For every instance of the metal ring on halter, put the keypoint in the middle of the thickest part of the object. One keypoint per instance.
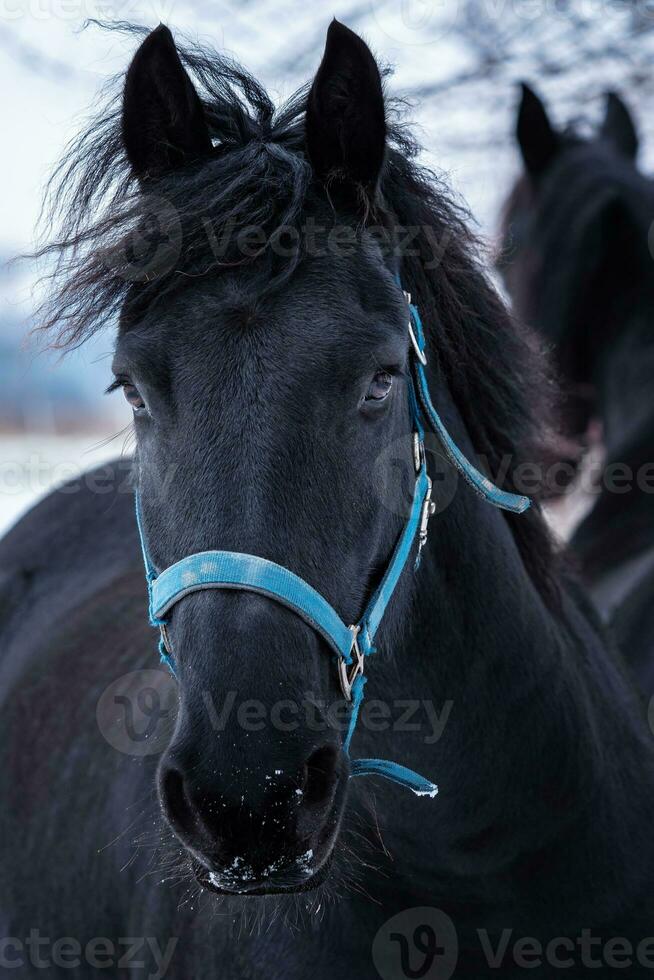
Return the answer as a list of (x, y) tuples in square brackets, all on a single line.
[(418, 451), (416, 346), (348, 673), (420, 354), (166, 638)]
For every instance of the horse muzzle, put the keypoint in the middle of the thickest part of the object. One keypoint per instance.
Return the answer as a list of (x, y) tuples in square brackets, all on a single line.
[(269, 830)]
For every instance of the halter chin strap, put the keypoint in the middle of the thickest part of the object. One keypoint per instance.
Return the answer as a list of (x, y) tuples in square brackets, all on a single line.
[(354, 643)]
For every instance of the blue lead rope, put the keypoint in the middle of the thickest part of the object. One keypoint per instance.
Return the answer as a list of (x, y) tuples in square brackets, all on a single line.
[(351, 644)]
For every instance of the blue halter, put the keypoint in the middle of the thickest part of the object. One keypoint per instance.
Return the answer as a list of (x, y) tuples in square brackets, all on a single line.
[(351, 644)]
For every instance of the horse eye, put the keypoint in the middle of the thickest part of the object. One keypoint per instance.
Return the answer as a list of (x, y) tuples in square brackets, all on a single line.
[(131, 394), (380, 387)]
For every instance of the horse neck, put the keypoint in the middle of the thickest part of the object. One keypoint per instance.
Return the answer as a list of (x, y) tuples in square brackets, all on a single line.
[(622, 335), (620, 527), (536, 709), (624, 368)]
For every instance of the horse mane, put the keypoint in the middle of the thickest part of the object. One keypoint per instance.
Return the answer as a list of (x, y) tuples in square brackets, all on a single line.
[(259, 175)]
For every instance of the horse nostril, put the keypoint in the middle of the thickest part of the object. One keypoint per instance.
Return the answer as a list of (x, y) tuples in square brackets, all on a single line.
[(320, 776), (175, 801)]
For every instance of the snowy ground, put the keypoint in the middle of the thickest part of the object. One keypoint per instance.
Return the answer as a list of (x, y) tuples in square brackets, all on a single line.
[(32, 465)]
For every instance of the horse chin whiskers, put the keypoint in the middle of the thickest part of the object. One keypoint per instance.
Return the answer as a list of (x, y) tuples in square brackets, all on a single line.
[(277, 878)]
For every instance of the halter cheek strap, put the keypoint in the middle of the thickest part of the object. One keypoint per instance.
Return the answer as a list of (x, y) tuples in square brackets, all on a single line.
[(354, 643)]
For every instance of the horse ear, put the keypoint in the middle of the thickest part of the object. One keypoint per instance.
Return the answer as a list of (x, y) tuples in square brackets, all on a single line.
[(345, 122), (618, 127), (163, 120), (537, 139)]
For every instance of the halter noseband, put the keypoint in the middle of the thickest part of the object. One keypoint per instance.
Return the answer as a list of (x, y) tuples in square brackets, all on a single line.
[(351, 644)]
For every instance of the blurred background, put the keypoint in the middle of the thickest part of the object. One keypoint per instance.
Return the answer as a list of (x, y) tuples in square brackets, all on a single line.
[(457, 62)]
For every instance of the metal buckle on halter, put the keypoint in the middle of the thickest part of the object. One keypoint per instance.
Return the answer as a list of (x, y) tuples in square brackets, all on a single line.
[(348, 673), (428, 509)]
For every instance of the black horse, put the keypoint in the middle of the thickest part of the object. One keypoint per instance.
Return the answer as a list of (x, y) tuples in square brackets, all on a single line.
[(253, 257), (577, 259)]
